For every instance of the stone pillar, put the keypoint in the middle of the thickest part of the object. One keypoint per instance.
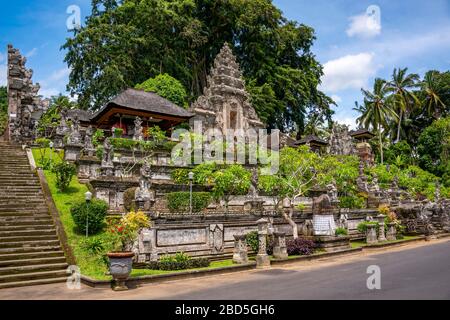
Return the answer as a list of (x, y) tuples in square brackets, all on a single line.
[(371, 234), (392, 231), (262, 258), (381, 235), (240, 255), (279, 248)]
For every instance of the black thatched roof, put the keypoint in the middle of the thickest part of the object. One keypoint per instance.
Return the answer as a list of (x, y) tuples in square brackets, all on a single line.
[(361, 132), (83, 116), (311, 138), (144, 101)]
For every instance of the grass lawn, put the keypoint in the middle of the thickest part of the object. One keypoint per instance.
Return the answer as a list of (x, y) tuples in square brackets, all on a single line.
[(358, 244), (89, 264)]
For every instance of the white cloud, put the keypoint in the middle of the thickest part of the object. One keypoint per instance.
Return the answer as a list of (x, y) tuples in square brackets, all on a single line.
[(31, 53), (53, 84), (366, 25), (3, 74), (336, 98), (348, 72), (349, 121)]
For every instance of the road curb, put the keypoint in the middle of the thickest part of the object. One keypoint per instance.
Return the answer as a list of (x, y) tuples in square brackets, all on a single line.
[(136, 281)]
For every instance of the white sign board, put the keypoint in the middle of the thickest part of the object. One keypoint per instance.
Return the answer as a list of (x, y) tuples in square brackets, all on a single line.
[(324, 225)]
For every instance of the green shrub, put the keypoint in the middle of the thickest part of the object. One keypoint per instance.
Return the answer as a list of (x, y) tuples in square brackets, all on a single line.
[(118, 132), (64, 172), (180, 261), (128, 199), (94, 211), (156, 134), (179, 201), (99, 152), (94, 246), (167, 87), (98, 137), (252, 240), (362, 227), (341, 231), (352, 202)]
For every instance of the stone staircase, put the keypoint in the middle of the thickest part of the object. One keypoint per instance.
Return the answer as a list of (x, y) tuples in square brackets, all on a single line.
[(30, 251)]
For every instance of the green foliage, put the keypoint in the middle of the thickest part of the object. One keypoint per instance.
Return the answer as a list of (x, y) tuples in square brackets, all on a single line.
[(434, 148), (362, 226), (94, 246), (64, 172), (92, 213), (124, 43), (233, 180), (167, 87), (180, 261), (52, 117), (179, 201), (203, 174), (118, 132), (3, 110), (252, 240), (156, 134), (399, 154), (352, 202), (98, 137), (341, 232)]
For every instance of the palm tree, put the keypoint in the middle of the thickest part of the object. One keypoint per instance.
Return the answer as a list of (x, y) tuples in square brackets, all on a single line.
[(431, 87), (376, 111), (403, 98)]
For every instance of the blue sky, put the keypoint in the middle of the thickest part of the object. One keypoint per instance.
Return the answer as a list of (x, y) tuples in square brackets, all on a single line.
[(356, 40)]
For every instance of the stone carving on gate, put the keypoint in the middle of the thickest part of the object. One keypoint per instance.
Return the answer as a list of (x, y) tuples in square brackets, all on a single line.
[(216, 237)]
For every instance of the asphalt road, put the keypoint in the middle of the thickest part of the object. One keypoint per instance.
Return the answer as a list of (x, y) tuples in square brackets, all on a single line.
[(420, 271)]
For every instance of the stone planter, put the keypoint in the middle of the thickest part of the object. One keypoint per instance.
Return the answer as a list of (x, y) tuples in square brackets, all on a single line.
[(120, 265)]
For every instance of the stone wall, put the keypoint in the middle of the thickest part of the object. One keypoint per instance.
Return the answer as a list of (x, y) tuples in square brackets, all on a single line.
[(211, 235)]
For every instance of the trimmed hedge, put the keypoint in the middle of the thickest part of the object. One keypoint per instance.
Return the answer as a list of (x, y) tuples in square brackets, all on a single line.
[(179, 201), (174, 263), (95, 211)]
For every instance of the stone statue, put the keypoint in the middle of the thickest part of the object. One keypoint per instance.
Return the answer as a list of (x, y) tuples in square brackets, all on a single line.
[(88, 145), (374, 187), (341, 142), (144, 196), (332, 191), (138, 130), (107, 160), (253, 191), (75, 135), (437, 193)]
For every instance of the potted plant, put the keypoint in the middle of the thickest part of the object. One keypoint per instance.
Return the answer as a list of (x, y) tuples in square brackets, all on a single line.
[(124, 233)]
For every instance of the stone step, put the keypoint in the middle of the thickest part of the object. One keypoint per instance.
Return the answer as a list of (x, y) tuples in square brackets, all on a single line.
[(19, 250), (26, 233), (31, 255), (15, 239), (25, 221), (24, 212), (32, 268), (31, 262), (24, 283), (27, 228), (29, 244), (37, 275)]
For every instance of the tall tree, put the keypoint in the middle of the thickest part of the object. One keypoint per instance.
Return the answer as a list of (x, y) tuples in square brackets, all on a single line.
[(432, 90), (376, 111), (403, 97), (124, 43)]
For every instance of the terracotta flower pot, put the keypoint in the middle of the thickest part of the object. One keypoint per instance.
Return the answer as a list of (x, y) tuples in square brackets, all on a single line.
[(120, 266)]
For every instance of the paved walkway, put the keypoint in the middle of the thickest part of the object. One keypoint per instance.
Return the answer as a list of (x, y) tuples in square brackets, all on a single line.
[(413, 271)]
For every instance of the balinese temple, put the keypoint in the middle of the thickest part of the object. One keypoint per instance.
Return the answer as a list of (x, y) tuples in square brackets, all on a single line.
[(153, 110), (225, 104), (363, 148), (315, 143)]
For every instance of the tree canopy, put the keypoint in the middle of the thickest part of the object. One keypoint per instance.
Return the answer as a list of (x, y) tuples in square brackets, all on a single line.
[(3, 109), (167, 87), (124, 43)]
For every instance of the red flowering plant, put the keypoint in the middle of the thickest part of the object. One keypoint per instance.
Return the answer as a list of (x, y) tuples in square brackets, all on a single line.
[(125, 231)]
